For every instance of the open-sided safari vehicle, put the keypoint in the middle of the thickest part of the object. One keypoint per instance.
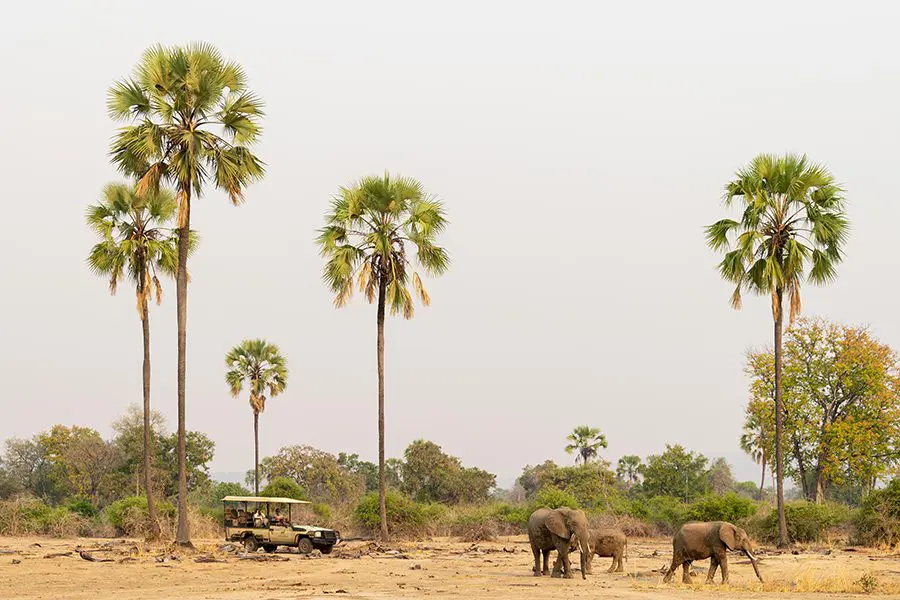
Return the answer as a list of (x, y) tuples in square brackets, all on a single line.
[(258, 521)]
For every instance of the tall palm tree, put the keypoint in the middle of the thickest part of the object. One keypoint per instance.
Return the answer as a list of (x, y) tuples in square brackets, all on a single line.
[(586, 443), (190, 120), (628, 469), (367, 238), (754, 440), (262, 366), (792, 228), (136, 243)]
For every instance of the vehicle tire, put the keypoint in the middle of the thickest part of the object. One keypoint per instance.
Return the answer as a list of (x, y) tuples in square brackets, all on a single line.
[(269, 548), (304, 546), (326, 549), (250, 544)]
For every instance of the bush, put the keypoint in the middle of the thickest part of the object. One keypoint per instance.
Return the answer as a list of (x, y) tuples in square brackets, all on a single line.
[(552, 497), (282, 487), (878, 520), (322, 512), (663, 512), (806, 522), (82, 506), (129, 515), (33, 517), (405, 517), (727, 507)]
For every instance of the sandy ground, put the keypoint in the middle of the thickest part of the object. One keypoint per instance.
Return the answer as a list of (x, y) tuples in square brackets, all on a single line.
[(433, 569)]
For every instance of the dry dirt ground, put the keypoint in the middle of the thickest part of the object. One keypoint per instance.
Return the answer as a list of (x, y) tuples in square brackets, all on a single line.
[(128, 570)]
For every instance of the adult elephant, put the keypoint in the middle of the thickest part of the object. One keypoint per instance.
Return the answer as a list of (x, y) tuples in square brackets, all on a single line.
[(697, 541), (551, 530)]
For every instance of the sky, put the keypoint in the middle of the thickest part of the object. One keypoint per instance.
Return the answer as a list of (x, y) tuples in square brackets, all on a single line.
[(579, 148)]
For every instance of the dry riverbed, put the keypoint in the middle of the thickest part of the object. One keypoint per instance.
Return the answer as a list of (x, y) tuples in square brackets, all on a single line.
[(47, 568)]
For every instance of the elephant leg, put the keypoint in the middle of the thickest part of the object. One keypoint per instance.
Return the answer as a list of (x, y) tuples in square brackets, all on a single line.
[(537, 560), (562, 552), (713, 565), (620, 562), (722, 559), (612, 567), (546, 570), (686, 572), (676, 560)]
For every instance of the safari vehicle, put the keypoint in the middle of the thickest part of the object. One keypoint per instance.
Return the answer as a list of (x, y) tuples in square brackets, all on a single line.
[(258, 521)]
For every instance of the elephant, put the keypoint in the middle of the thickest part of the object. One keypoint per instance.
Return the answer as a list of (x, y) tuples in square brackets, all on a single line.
[(552, 530), (697, 541), (605, 542)]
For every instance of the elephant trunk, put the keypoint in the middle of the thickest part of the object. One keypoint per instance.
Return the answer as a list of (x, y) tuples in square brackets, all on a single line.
[(585, 546), (753, 562)]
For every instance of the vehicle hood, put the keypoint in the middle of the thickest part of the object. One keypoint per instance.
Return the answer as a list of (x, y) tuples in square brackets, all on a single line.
[(310, 528)]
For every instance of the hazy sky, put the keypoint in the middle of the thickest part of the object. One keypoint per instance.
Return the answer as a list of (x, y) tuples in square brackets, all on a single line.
[(580, 148)]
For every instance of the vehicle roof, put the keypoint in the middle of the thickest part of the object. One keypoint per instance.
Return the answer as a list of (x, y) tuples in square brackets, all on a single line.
[(271, 500)]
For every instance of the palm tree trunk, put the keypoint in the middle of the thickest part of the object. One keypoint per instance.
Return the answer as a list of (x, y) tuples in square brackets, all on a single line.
[(183, 533), (382, 508), (762, 479), (783, 540), (256, 454), (148, 486)]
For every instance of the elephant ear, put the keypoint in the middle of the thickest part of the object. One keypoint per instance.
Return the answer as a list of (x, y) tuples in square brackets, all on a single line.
[(557, 524), (728, 535)]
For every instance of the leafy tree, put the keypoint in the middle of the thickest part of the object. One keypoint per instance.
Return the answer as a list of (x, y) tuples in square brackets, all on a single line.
[(841, 406), (27, 468), (318, 472), (283, 487), (189, 119), (754, 441), (367, 470), (586, 443), (262, 366), (591, 485), (136, 242), (129, 442), (430, 475), (393, 473), (628, 470), (676, 472), (792, 229), (199, 450), (365, 241), (720, 477)]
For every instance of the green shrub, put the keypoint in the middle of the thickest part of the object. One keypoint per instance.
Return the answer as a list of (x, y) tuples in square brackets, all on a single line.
[(806, 521), (552, 497), (282, 487), (878, 520), (129, 515), (31, 516), (404, 516), (664, 512), (516, 516), (322, 511), (727, 507), (82, 506)]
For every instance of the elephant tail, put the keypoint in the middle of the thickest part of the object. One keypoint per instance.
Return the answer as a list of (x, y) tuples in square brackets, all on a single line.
[(626, 549)]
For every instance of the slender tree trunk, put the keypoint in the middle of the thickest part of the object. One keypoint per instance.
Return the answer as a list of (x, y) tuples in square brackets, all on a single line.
[(148, 485), (256, 452), (382, 508), (183, 534), (762, 479), (783, 540)]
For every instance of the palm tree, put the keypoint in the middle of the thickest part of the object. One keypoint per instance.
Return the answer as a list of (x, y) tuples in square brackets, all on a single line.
[(176, 105), (371, 226), (792, 228), (754, 440), (627, 469), (586, 442), (262, 366), (136, 243)]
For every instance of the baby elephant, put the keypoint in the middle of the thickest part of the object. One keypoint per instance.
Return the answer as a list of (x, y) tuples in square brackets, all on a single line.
[(697, 541), (606, 542)]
